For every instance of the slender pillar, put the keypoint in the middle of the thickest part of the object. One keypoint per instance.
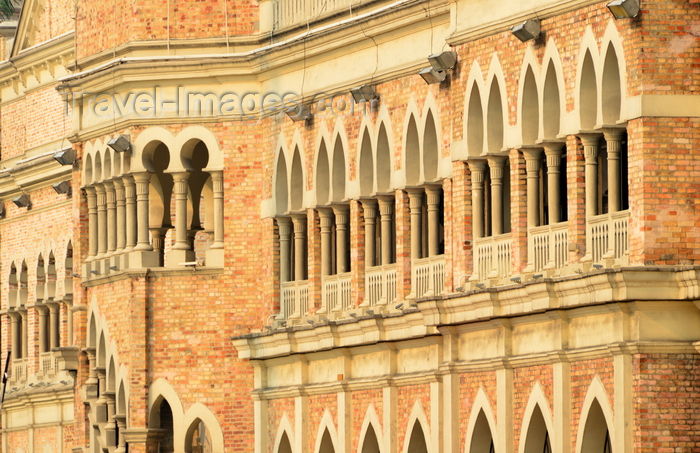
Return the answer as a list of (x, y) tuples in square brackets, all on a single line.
[(369, 208), (54, 324), (433, 197), (130, 212), (284, 225), (142, 181), (180, 191), (121, 426), (554, 153), (299, 222), (386, 210), (25, 352), (477, 169), (326, 217), (496, 168), (121, 216), (92, 222), (415, 200), (613, 138), (217, 179), (101, 221), (342, 224), (43, 341), (532, 167), (15, 332), (590, 149), (111, 218)]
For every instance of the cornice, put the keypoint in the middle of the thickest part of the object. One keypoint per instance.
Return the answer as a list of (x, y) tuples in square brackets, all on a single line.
[(151, 272), (32, 173)]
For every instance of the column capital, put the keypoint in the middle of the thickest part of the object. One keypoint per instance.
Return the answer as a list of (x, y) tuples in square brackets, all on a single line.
[(614, 133), (369, 208), (477, 165), (589, 138), (285, 226), (141, 176)]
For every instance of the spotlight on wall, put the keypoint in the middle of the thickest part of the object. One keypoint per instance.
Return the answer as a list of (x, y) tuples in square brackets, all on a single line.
[(364, 93), (443, 61), (299, 113), (528, 30), (120, 144), (481, 285), (65, 156), (515, 279), (432, 75), (61, 187), (598, 266), (624, 9), (22, 201)]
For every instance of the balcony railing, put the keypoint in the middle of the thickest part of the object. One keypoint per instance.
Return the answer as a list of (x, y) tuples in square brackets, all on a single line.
[(336, 292), (295, 299), (48, 364), (607, 237), (492, 257), (547, 246), (428, 276), (19, 370), (288, 13), (380, 284)]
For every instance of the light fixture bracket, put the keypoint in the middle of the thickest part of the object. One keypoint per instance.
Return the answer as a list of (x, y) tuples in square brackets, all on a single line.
[(443, 61), (364, 93), (624, 9), (120, 144), (65, 156), (530, 29), (432, 75), (298, 113)]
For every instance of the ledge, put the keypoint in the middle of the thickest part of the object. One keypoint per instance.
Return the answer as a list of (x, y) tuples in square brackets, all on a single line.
[(153, 271)]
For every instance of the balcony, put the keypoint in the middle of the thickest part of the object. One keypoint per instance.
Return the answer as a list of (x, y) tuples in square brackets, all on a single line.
[(290, 13), (48, 364), (19, 370), (295, 299), (607, 238), (492, 258), (428, 276), (547, 246), (336, 293), (380, 285)]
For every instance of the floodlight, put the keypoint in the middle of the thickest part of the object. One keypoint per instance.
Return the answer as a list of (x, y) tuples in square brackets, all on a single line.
[(443, 61), (61, 187), (432, 75), (65, 156), (363, 93), (22, 201), (624, 9), (528, 30), (120, 144), (298, 113)]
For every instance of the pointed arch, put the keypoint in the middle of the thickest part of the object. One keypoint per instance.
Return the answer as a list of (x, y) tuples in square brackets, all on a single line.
[(281, 187), (553, 99), (92, 333), (370, 433), (284, 438), (107, 164), (162, 390), (322, 175), (296, 181), (338, 166), (431, 148), (412, 152), (529, 111), (611, 95), (384, 161), (366, 164), (97, 165), (613, 43), (482, 426), (595, 420), (474, 108), (122, 405), (40, 278), (102, 351), (88, 170), (203, 428), (327, 435), (111, 376), (417, 437), (586, 94), (537, 423)]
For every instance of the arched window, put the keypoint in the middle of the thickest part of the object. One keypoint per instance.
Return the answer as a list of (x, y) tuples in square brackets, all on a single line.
[(198, 439), (588, 97), (326, 443), (482, 438), (412, 157), (529, 109), (370, 443), (416, 443), (167, 444), (596, 436), (537, 437), (285, 446), (475, 123)]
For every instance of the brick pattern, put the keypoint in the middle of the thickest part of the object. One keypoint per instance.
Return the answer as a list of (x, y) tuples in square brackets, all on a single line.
[(361, 400), (275, 410), (582, 374), (524, 380), (469, 385), (318, 404), (407, 397)]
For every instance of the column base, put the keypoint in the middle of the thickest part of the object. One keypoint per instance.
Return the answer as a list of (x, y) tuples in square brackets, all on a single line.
[(215, 258), (141, 259), (115, 263), (175, 258)]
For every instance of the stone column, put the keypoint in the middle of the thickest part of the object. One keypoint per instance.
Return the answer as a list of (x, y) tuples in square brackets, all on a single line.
[(130, 213), (143, 254), (590, 149), (121, 426), (121, 216), (54, 325), (111, 218), (101, 221), (43, 341), (369, 208), (433, 196), (326, 217), (386, 210), (342, 224), (181, 252), (24, 342), (284, 225), (92, 222), (415, 200), (532, 167), (299, 222), (142, 181), (477, 169), (92, 381), (215, 254), (613, 138), (496, 169), (553, 152), (15, 332)]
